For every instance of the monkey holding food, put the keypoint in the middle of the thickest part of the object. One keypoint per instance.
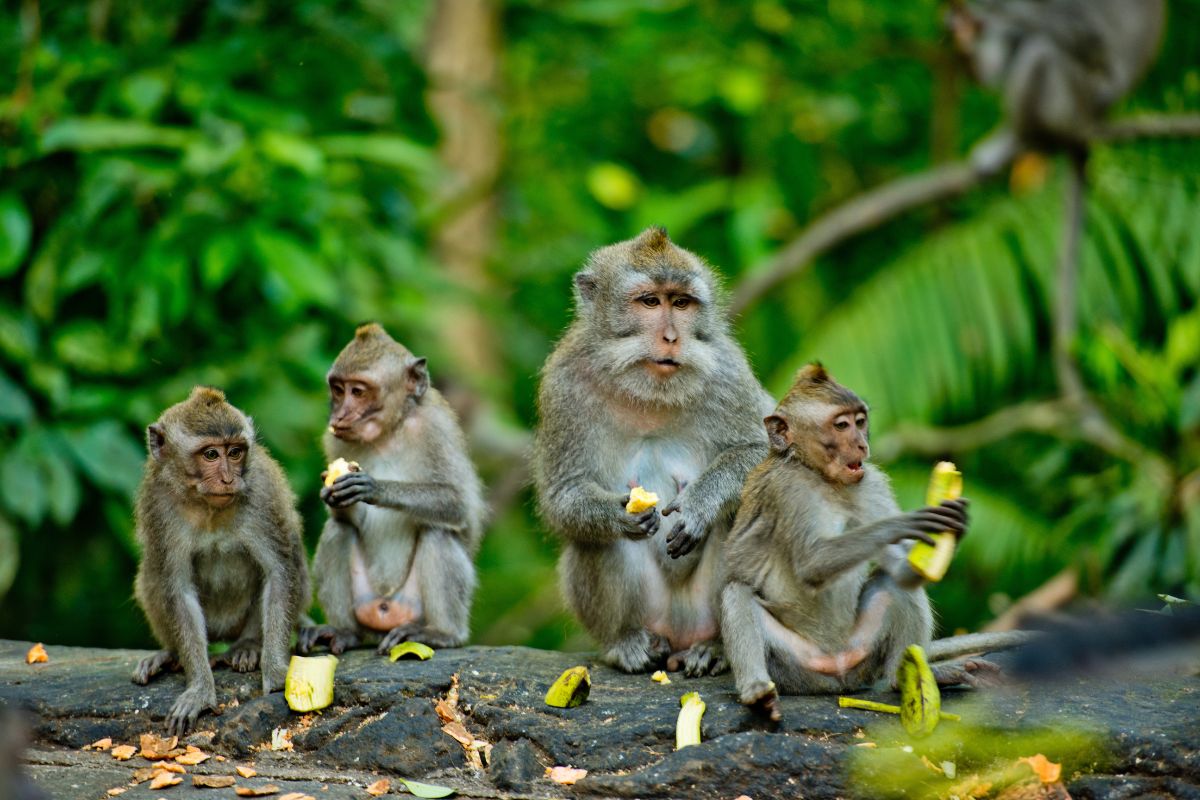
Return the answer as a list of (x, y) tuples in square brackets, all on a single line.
[(647, 388), (802, 611), (396, 557), (222, 551)]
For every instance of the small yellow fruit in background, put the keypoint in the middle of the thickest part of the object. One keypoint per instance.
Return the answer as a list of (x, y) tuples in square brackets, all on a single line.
[(640, 500), (339, 468)]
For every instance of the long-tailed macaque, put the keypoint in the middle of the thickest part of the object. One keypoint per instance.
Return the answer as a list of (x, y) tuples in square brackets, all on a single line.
[(222, 553), (396, 558), (1059, 64), (802, 610), (646, 388)]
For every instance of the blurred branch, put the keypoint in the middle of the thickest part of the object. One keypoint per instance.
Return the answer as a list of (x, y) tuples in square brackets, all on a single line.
[(1050, 596), (1047, 416), (879, 205)]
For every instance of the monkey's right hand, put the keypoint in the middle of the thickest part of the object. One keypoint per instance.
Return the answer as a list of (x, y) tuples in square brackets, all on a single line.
[(638, 526), (950, 516), (188, 707)]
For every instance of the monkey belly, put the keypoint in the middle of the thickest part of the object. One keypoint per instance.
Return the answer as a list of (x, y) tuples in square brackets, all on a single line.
[(229, 585), (682, 611)]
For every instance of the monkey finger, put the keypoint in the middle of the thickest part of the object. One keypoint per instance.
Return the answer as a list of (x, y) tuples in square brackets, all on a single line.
[(920, 536), (671, 508)]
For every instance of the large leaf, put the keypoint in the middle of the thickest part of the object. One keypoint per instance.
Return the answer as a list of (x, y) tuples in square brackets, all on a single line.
[(100, 133), (109, 455), (15, 230)]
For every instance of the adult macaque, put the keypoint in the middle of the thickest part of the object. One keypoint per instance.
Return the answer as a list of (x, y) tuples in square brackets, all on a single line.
[(1059, 64), (646, 388), (802, 611), (222, 554), (396, 556)]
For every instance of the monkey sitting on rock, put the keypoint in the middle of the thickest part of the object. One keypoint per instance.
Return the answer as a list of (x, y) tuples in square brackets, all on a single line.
[(802, 610), (396, 557), (647, 388), (222, 552)]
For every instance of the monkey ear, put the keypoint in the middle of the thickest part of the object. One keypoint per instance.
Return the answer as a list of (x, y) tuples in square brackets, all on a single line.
[(585, 284), (778, 435), (156, 440), (418, 377)]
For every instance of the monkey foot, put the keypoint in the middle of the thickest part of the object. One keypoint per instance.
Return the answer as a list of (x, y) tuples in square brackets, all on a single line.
[(702, 658), (639, 652), (418, 633), (187, 709), (762, 697), (339, 640), (152, 665), (242, 656), (977, 673)]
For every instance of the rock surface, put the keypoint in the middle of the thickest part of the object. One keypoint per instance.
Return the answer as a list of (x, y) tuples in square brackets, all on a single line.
[(1116, 739)]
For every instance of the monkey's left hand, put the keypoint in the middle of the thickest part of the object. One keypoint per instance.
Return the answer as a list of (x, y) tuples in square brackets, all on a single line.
[(351, 488), (689, 528)]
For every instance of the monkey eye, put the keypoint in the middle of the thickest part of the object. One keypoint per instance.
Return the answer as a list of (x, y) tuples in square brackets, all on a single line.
[(861, 422), (649, 301), (211, 454), (841, 424), (235, 453), (357, 391), (682, 302), (337, 389)]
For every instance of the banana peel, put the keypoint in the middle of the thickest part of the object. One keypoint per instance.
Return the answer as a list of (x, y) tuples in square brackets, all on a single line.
[(932, 561), (337, 468), (309, 682), (640, 500), (920, 698), (687, 726), (412, 649), (571, 689)]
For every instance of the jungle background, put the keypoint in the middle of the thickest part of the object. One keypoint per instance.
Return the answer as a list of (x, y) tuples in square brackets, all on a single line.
[(218, 192)]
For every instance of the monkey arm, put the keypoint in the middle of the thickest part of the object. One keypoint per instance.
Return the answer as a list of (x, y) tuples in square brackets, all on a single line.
[(586, 513), (713, 493), (821, 559), (433, 502)]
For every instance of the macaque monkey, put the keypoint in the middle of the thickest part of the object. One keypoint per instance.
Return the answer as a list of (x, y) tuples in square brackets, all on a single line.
[(15, 783), (222, 552), (803, 611), (646, 388), (396, 558), (1059, 64)]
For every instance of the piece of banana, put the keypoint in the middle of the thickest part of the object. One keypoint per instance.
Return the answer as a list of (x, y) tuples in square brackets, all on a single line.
[(932, 561), (338, 468), (640, 500)]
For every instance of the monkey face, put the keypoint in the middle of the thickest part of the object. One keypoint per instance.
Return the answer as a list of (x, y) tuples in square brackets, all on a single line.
[(842, 443), (217, 467), (666, 316), (355, 406)]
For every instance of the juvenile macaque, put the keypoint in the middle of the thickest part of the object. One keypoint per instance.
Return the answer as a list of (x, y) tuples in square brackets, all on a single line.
[(647, 388), (803, 611), (396, 556), (1059, 64), (222, 554)]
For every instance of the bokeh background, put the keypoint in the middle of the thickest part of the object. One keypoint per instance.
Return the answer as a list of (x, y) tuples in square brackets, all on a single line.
[(218, 192)]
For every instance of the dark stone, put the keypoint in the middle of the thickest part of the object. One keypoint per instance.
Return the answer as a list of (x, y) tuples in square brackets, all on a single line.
[(1138, 734), (516, 764)]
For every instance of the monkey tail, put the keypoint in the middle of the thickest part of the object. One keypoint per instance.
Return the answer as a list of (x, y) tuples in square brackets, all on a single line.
[(967, 644)]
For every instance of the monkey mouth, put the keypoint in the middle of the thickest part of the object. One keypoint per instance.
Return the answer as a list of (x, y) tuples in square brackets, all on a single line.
[(665, 366), (854, 467), (220, 500)]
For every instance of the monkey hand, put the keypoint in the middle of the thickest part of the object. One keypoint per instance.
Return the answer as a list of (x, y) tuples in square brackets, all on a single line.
[(187, 709), (950, 516), (688, 530), (351, 488), (763, 697), (638, 526)]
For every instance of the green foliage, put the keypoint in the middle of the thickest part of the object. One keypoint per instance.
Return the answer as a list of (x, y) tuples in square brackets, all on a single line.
[(218, 192)]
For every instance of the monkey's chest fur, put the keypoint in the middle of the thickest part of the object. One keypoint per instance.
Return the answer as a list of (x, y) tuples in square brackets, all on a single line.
[(229, 584), (677, 593)]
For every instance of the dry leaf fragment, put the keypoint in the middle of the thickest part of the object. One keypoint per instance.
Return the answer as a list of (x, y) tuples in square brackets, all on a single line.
[(445, 711), (379, 787), (246, 772), (297, 796), (164, 779), (565, 775), (37, 654), (257, 791), (143, 774), (192, 759), (743, 797), (281, 739), (116, 790), (157, 747), (458, 731), (213, 781), (1046, 770), (99, 744), (123, 752), (167, 766)]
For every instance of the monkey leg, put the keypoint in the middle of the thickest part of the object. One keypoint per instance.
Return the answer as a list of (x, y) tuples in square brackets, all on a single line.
[(331, 570), (868, 627), (153, 665), (245, 653), (745, 644), (444, 575), (978, 673), (606, 588)]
